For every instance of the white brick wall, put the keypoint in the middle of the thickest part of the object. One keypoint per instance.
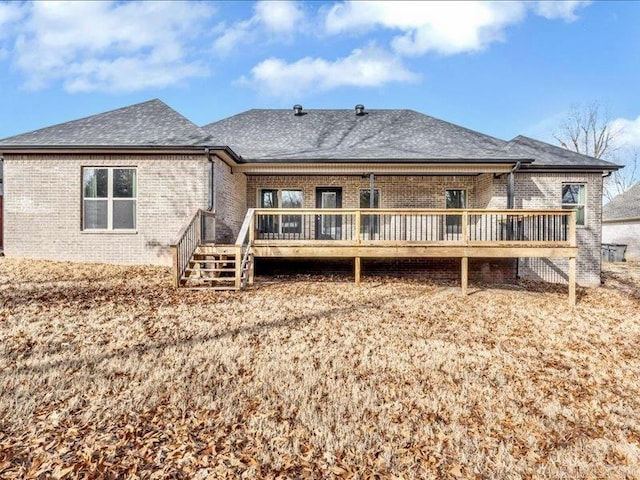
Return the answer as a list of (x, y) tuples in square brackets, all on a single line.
[(230, 202), (43, 207), (395, 191), (544, 190)]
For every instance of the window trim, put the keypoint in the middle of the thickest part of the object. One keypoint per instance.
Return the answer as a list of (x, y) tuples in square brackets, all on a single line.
[(279, 206), (110, 199), (466, 197), (574, 206), (376, 189)]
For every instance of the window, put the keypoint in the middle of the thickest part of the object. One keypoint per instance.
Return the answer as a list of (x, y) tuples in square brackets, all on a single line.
[(109, 198), (573, 196), (370, 223), (291, 199), (270, 198), (454, 199)]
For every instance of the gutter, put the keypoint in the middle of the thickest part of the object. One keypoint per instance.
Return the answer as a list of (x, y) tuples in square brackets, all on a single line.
[(622, 220), (147, 149)]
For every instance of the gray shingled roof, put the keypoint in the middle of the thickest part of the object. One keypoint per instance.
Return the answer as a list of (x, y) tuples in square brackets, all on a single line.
[(317, 135), (546, 154), (625, 205), (147, 123), (265, 135)]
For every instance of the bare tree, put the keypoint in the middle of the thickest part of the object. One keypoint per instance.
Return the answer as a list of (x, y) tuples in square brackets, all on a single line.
[(622, 180), (587, 130)]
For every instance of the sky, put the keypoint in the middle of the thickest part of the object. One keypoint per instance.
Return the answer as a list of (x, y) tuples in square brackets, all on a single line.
[(504, 68)]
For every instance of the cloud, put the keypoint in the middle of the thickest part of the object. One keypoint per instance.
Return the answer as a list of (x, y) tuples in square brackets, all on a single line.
[(445, 28), (109, 46), (553, 10), (10, 15), (277, 18), (367, 67), (628, 132)]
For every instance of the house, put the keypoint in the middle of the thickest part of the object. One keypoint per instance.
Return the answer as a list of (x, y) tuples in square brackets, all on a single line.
[(386, 189), (621, 222)]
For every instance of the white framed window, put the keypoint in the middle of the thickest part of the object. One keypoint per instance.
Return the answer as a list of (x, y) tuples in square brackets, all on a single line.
[(574, 197), (109, 198), (285, 198), (454, 198)]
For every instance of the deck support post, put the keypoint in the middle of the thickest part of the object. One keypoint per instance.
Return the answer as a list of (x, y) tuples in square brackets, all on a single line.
[(252, 270), (464, 275), (358, 266), (573, 242), (238, 267), (176, 267), (572, 281)]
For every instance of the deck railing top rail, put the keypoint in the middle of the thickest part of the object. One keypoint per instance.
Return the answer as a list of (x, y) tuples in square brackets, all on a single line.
[(374, 211), (541, 227)]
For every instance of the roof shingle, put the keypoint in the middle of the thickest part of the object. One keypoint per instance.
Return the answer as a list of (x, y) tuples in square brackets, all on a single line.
[(148, 123), (546, 154), (625, 205), (341, 134)]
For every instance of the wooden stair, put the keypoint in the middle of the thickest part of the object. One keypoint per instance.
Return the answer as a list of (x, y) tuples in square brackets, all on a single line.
[(213, 267)]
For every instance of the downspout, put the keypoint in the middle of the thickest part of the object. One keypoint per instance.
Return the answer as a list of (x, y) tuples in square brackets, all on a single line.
[(511, 190), (511, 186), (211, 200), (372, 190), (211, 203)]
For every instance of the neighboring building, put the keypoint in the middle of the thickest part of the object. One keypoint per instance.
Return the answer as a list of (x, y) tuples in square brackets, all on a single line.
[(118, 187), (621, 222)]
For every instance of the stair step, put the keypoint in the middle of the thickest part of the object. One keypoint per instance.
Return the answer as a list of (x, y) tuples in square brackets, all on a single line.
[(212, 257), (209, 279), (213, 260), (214, 289), (209, 269), (217, 249)]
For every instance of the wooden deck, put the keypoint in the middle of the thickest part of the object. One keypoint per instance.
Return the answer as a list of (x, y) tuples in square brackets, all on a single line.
[(405, 233)]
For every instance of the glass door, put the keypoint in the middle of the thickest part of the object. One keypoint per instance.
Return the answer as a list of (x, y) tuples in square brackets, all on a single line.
[(328, 227)]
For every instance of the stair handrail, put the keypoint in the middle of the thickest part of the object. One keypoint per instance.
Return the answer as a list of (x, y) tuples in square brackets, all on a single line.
[(187, 240), (243, 247)]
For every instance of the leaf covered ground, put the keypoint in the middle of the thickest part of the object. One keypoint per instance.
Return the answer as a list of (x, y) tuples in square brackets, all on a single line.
[(108, 372)]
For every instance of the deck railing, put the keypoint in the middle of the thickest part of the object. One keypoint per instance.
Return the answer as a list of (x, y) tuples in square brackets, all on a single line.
[(243, 249), (414, 226), (196, 231)]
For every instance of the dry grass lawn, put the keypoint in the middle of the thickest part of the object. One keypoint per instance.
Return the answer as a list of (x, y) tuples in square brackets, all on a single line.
[(108, 372)]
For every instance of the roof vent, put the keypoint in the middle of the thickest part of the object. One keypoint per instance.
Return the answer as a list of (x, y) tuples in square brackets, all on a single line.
[(359, 109), (297, 110)]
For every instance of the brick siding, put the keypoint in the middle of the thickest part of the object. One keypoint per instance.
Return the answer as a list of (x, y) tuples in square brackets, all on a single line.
[(230, 202), (395, 191), (544, 190), (43, 207)]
